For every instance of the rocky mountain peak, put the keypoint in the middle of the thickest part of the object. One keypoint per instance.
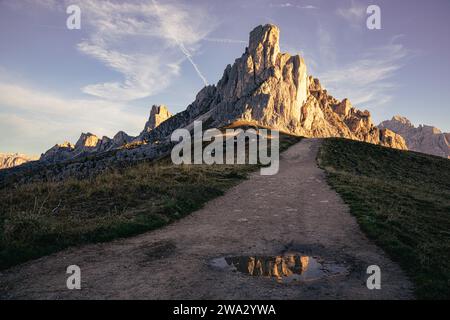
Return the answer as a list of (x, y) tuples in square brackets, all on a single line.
[(263, 87), (158, 114), (272, 89), (344, 107), (430, 129), (314, 85), (264, 46), (121, 138), (393, 140), (402, 120), (65, 145), (87, 140), (58, 152), (9, 160), (425, 139), (267, 35), (87, 143)]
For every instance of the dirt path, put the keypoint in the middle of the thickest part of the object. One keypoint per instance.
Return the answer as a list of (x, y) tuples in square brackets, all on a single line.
[(294, 211)]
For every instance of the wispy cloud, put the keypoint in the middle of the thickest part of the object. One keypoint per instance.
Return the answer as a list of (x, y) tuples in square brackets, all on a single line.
[(290, 5), (172, 35), (309, 6), (224, 40), (367, 81), (143, 41), (144, 74), (326, 46), (354, 14), (31, 117)]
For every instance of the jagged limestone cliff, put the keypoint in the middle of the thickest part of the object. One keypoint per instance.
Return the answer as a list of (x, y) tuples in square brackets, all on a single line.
[(88, 143), (263, 87), (425, 139), (10, 160), (272, 89)]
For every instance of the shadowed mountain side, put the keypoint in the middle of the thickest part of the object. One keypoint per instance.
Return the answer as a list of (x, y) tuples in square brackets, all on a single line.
[(425, 139)]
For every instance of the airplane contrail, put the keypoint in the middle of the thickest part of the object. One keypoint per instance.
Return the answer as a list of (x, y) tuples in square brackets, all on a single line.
[(189, 57), (224, 40), (184, 50)]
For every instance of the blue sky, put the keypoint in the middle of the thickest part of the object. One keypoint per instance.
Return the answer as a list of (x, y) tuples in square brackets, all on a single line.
[(56, 83)]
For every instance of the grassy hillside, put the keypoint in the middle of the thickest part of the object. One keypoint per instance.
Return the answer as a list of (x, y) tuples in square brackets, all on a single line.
[(402, 201), (40, 218)]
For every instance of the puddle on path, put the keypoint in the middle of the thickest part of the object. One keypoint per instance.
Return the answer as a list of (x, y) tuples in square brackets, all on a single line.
[(284, 268)]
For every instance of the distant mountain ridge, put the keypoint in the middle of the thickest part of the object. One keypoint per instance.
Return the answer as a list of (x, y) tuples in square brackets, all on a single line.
[(425, 139), (89, 143), (263, 87), (9, 160)]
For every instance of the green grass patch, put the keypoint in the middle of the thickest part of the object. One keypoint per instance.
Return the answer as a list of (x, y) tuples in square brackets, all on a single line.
[(40, 218), (402, 201)]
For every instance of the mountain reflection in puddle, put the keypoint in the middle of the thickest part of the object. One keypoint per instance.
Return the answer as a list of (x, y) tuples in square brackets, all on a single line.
[(285, 268)]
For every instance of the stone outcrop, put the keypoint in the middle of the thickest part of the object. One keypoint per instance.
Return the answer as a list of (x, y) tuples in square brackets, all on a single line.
[(391, 139), (343, 108), (425, 139), (340, 118), (10, 160), (272, 89), (158, 114), (120, 139), (59, 152), (263, 87), (88, 143)]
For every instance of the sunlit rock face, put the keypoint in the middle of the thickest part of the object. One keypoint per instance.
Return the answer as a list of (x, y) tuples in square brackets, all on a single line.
[(425, 139), (59, 152), (88, 143), (263, 87), (158, 115), (391, 139), (270, 88), (325, 116), (10, 160)]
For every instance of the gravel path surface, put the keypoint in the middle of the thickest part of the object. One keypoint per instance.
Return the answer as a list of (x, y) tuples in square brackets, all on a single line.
[(294, 211)]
